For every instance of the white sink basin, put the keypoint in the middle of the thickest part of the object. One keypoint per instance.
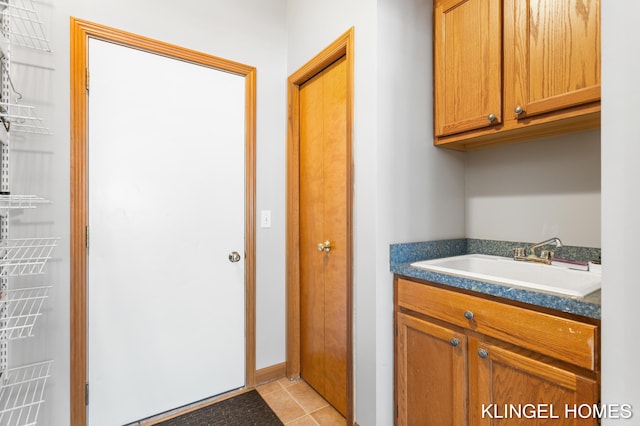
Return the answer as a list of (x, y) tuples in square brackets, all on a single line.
[(508, 272)]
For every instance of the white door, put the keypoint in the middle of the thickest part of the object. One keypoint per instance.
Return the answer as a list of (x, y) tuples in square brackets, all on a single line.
[(166, 209)]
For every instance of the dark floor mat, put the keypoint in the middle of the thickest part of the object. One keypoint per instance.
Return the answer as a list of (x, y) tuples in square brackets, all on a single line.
[(247, 409)]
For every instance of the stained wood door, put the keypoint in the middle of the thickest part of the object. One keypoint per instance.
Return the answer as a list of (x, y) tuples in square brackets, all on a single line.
[(468, 65), (552, 55), (166, 317), (323, 217)]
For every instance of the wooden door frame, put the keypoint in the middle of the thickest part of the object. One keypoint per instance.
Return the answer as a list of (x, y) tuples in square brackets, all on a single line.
[(340, 48), (80, 33)]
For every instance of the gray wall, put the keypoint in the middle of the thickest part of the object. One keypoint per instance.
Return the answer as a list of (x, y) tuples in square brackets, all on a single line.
[(620, 204), (536, 190), (420, 187)]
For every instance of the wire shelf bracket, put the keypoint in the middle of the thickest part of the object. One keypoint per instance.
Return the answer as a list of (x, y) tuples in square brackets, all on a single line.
[(21, 394), (26, 29), (26, 256), (22, 118), (20, 202), (23, 308)]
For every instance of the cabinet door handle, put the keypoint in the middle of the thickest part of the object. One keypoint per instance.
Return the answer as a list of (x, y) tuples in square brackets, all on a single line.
[(454, 342), (518, 110), (468, 315), (491, 117), (482, 353)]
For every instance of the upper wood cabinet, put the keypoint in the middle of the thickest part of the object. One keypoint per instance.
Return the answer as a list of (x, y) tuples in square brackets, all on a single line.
[(513, 70), (552, 55), (468, 65)]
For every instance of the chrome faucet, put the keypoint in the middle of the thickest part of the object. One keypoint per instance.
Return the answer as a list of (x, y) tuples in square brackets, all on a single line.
[(529, 254)]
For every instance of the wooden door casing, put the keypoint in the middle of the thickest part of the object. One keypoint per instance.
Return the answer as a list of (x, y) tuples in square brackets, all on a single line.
[(323, 216), (80, 32), (342, 47)]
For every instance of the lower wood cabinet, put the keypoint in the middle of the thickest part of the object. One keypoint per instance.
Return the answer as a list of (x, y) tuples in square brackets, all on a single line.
[(447, 374), (512, 387), (431, 367)]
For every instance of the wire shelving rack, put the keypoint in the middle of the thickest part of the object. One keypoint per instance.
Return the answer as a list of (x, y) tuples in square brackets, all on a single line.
[(22, 388)]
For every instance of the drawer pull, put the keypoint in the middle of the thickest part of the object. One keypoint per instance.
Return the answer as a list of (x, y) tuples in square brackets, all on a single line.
[(482, 353), (454, 342), (468, 315)]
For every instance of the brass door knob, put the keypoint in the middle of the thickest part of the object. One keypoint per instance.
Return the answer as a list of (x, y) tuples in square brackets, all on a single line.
[(324, 247)]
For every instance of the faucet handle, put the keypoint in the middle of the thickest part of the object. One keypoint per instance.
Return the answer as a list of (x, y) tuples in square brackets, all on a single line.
[(546, 254), (519, 252)]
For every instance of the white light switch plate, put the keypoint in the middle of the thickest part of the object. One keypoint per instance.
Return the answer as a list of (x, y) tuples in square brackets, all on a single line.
[(265, 218)]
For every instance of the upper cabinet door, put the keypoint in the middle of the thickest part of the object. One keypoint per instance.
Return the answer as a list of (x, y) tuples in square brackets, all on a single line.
[(552, 55), (468, 65)]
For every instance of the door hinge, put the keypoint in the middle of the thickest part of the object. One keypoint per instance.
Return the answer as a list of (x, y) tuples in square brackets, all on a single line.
[(86, 237), (86, 79), (86, 394)]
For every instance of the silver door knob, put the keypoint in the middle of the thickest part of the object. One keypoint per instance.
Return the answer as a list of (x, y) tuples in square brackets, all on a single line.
[(454, 341), (324, 247), (518, 110), (483, 353), (468, 315), (234, 257), (491, 117)]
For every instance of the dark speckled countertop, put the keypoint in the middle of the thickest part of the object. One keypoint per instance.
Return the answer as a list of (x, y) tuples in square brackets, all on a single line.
[(402, 255)]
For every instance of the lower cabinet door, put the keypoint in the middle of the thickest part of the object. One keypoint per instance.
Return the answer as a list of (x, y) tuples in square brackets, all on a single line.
[(431, 373), (516, 388)]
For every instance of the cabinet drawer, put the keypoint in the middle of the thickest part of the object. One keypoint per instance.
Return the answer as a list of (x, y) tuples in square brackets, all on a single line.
[(561, 338)]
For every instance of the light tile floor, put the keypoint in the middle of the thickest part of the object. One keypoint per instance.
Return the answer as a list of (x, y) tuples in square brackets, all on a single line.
[(298, 404)]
